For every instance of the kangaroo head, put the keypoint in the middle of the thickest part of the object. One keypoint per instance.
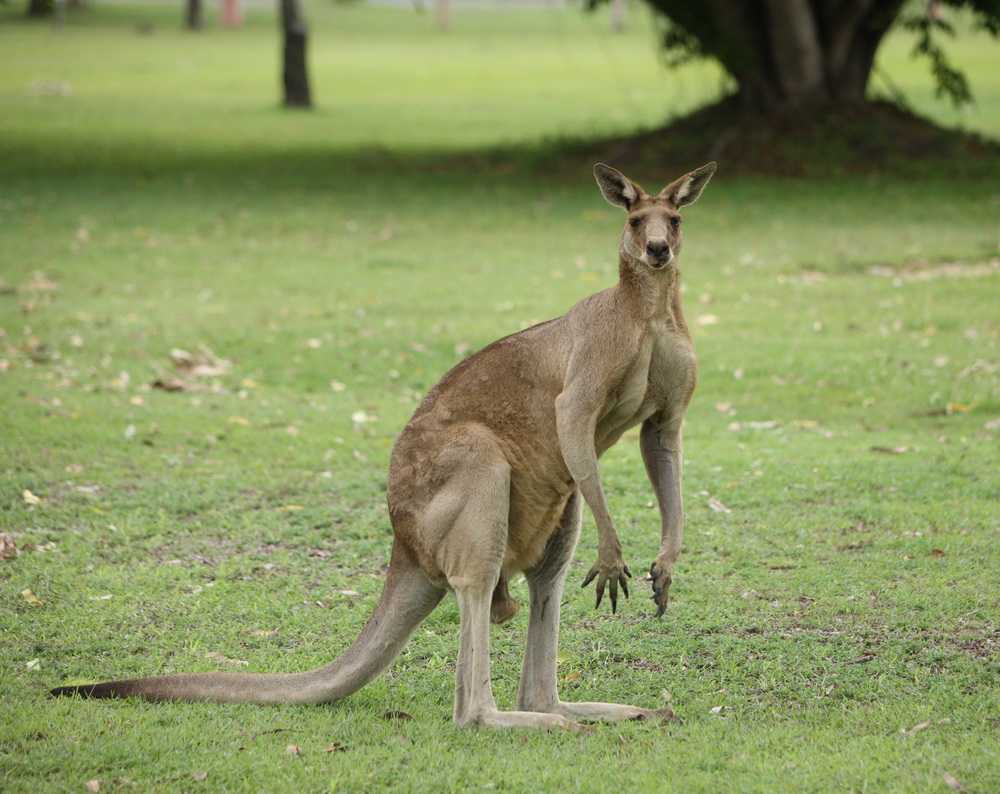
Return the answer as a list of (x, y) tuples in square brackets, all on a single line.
[(652, 234)]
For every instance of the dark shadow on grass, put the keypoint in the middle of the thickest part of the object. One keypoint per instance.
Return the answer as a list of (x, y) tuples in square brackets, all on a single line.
[(876, 138)]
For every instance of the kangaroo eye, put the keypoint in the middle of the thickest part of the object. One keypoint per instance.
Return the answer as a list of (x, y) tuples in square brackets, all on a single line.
[(634, 222), (676, 223)]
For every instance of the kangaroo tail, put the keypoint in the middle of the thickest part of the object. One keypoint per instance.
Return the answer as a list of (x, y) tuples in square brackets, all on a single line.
[(408, 598)]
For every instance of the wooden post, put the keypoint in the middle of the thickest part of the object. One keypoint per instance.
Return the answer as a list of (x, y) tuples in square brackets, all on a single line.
[(232, 14)]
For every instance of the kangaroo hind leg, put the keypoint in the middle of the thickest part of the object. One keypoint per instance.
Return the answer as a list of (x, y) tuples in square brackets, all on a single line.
[(471, 555), (538, 691)]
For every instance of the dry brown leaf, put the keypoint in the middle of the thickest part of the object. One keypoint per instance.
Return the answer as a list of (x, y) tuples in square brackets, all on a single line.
[(8, 549), (93, 785), (169, 384), (717, 507), (890, 450), (215, 656), (957, 408), (29, 498), (293, 749), (937, 552), (40, 283), (200, 775), (397, 715), (920, 726), (951, 782), (264, 632), (576, 675), (335, 747), (290, 508), (31, 598)]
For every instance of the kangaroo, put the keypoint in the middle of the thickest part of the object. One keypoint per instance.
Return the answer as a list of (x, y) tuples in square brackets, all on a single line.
[(489, 477)]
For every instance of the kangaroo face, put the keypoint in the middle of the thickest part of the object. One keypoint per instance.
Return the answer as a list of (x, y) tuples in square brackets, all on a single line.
[(652, 233)]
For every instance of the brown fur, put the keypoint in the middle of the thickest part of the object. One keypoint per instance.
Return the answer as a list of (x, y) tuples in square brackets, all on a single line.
[(488, 478)]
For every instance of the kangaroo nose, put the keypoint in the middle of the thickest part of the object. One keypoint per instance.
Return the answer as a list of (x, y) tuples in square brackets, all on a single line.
[(657, 249)]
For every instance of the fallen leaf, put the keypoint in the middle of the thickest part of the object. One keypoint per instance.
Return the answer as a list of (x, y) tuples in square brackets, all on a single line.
[(890, 450), (993, 424), (397, 715), (264, 632), (716, 709), (169, 384), (576, 675), (31, 598), (33, 664), (920, 726), (337, 386), (708, 319), (204, 364), (8, 549), (314, 344), (937, 552), (293, 749), (290, 508), (215, 656), (349, 593), (74, 468), (951, 781), (717, 507), (957, 408), (335, 747), (40, 283), (319, 553), (361, 417), (129, 432), (723, 408), (29, 498), (242, 421), (93, 785), (200, 775)]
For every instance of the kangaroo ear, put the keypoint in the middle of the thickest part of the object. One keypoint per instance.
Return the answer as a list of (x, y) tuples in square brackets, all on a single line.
[(687, 189), (617, 188)]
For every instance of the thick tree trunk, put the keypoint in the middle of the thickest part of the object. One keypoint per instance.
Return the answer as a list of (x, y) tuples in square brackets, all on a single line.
[(40, 8), (194, 18), (295, 75), (789, 53)]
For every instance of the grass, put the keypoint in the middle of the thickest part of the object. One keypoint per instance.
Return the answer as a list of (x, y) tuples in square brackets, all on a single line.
[(849, 595)]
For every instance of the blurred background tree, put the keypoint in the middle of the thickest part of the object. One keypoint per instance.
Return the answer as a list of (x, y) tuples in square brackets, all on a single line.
[(786, 53)]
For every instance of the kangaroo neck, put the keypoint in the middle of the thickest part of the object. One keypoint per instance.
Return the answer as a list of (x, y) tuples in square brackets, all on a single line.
[(651, 294)]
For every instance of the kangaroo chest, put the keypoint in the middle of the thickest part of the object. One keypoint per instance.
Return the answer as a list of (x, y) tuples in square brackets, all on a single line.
[(660, 379)]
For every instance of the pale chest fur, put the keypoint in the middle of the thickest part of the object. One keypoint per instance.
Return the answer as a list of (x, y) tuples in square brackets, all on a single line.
[(660, 379)]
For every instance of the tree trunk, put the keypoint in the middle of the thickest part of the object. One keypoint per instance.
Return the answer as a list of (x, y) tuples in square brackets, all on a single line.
[(295, 76), (618, 15), (442, 13), (789, 53), (40, 8), (193, 17), (232, 14)]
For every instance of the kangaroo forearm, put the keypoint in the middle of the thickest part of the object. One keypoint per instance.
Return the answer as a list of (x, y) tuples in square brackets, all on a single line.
[(607, 538), (663, 466), (576, 440)]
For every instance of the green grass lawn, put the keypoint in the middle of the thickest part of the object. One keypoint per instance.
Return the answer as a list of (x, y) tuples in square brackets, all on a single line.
[(843, 613)]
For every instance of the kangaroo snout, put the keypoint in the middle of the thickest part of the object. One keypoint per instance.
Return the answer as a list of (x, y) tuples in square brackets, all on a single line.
[(658, 251)]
